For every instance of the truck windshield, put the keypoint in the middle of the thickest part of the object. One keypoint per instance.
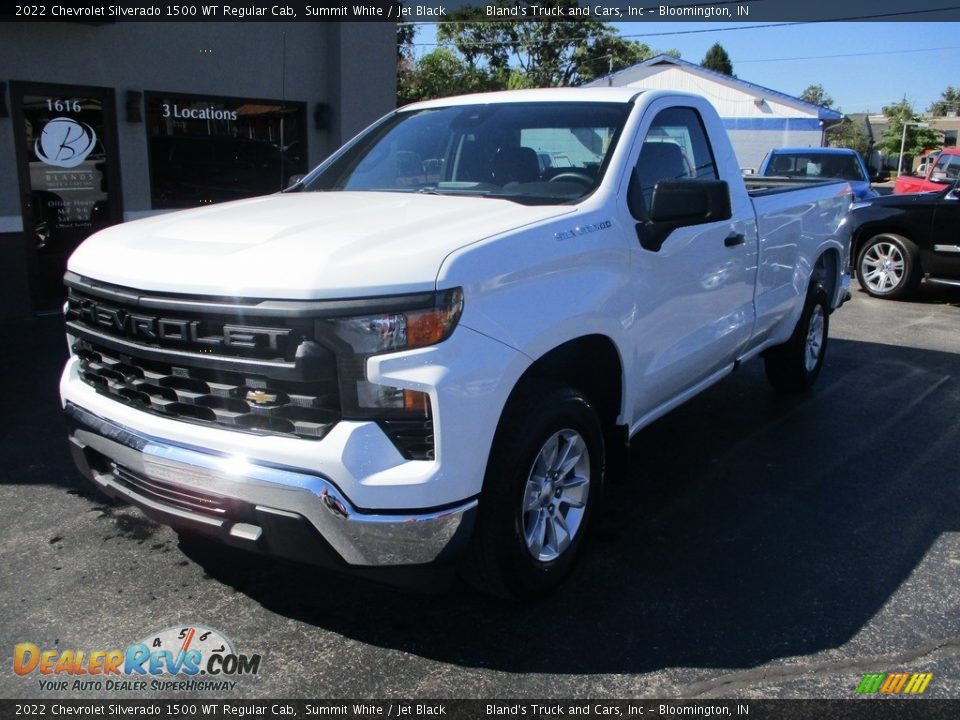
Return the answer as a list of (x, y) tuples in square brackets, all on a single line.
[(531, 153), (815, 165)]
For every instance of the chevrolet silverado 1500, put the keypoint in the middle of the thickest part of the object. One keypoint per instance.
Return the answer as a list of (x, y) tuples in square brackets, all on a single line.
[(436, 344)]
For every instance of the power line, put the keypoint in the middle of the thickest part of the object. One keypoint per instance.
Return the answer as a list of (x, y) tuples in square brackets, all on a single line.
[(863, 54), (851, 18), (573, 39), (753, 26), (739, 61)]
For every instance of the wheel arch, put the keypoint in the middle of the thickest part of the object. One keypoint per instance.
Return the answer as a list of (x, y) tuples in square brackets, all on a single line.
[(826, 271), (592, 365)]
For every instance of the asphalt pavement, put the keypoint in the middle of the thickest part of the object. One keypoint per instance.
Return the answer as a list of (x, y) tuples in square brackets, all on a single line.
[(763, 546)]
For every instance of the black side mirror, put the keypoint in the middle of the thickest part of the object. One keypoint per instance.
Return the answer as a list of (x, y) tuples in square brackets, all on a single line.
[(676, 204)]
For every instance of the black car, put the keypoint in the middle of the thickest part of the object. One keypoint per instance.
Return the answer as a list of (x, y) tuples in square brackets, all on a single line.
[(898, 240)]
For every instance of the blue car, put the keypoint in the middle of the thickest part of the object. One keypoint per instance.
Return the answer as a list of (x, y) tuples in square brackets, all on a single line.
[(813, 163)]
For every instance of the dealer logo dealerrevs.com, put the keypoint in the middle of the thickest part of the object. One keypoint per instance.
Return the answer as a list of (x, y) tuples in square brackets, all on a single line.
[(185, 658), (894, 683)]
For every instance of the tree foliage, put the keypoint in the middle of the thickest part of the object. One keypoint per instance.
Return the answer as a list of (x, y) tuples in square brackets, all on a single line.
[(817, 95), (442, 73), (917, 140), (949, 102), (849, 134), (406, 63), (717, 60), (545, 52), (406, 32)]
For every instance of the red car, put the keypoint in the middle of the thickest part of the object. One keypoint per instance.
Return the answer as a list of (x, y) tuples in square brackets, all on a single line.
[(941, 173)]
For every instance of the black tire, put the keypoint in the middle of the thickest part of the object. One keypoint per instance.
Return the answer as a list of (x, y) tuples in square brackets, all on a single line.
[(502, 560), (794, 366), (888, 266)]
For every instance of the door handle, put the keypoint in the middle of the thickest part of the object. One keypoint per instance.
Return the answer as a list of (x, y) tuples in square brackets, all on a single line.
[(734, 239)]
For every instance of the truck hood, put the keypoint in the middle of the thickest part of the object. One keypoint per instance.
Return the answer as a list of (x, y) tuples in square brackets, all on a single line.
[(313, 245)]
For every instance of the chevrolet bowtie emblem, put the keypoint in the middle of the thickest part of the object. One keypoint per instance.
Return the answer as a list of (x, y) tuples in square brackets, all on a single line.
[(259, 397)]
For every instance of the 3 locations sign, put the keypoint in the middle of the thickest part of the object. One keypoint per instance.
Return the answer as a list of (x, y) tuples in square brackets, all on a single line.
[(211, 149)]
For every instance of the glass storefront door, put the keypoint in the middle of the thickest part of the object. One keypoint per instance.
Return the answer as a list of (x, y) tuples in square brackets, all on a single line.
[(69, 176)]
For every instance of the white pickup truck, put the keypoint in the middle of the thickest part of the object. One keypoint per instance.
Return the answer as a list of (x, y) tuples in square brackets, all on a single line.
[(434, 347)]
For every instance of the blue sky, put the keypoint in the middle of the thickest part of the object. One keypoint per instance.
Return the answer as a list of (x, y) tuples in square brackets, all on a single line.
[(863, 66)]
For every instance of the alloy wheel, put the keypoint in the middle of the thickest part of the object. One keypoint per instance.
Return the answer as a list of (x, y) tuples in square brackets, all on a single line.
[(555, 496)]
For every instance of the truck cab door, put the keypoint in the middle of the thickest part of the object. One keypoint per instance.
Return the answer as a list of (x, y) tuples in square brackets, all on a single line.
[(941, 254), (693, 289)]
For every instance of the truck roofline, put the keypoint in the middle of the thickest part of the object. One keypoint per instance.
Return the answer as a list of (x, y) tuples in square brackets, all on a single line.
[(576, 94)]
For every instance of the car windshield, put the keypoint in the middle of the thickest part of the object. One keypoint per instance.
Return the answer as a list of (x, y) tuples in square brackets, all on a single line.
[(815, 165), (531, 153)]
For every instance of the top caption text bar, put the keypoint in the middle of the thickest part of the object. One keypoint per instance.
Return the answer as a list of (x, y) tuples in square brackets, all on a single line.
[(419, 11)]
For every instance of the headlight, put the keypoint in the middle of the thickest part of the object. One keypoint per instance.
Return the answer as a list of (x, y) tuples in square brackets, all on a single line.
[(394, 331), (431, 321)]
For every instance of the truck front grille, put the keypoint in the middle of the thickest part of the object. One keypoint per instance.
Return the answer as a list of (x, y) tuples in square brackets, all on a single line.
[(238, 401), (243, 367), (249, 365)]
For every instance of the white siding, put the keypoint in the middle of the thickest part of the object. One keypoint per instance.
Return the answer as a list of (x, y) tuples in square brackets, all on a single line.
[(729, 100), (751, 146)]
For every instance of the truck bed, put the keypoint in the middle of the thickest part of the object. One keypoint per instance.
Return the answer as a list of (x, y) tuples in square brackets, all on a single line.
[(759, 185)]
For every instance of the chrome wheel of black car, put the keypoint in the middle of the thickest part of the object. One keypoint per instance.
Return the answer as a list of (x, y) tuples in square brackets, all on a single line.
[(888, 266)]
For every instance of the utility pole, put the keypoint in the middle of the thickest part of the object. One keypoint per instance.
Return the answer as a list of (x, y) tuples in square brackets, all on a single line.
[(903, 142)]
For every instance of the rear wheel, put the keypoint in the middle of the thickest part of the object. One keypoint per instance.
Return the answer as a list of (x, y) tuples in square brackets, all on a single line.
[(794, 366), (888, 266), (542, 484)]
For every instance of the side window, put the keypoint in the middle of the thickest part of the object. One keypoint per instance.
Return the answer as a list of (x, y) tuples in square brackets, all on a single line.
[(953, 169), (675, 148), (941, 165)]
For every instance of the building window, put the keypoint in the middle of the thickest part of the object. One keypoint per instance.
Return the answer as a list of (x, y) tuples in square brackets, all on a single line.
[(949, 138), (207, 149)]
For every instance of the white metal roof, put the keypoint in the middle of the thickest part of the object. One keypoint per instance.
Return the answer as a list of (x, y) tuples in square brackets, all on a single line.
[(738, 97)]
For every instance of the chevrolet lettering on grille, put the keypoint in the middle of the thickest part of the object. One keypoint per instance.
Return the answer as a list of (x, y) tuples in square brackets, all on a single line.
[(136, 325)]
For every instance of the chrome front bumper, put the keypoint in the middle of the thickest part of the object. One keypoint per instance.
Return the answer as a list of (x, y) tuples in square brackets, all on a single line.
[(272, 509)]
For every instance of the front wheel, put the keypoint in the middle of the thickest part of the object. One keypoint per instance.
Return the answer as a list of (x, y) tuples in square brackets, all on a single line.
[(888, 266), (794, 366), (541, 487)]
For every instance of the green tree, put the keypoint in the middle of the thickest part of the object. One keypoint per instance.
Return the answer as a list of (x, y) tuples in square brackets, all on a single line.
[(849, 134), (546, 52), (717, 60), (949, 102), (817, 95), (917, 139), (610, 55), (440, 74), (405, 35), (405, 59)]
